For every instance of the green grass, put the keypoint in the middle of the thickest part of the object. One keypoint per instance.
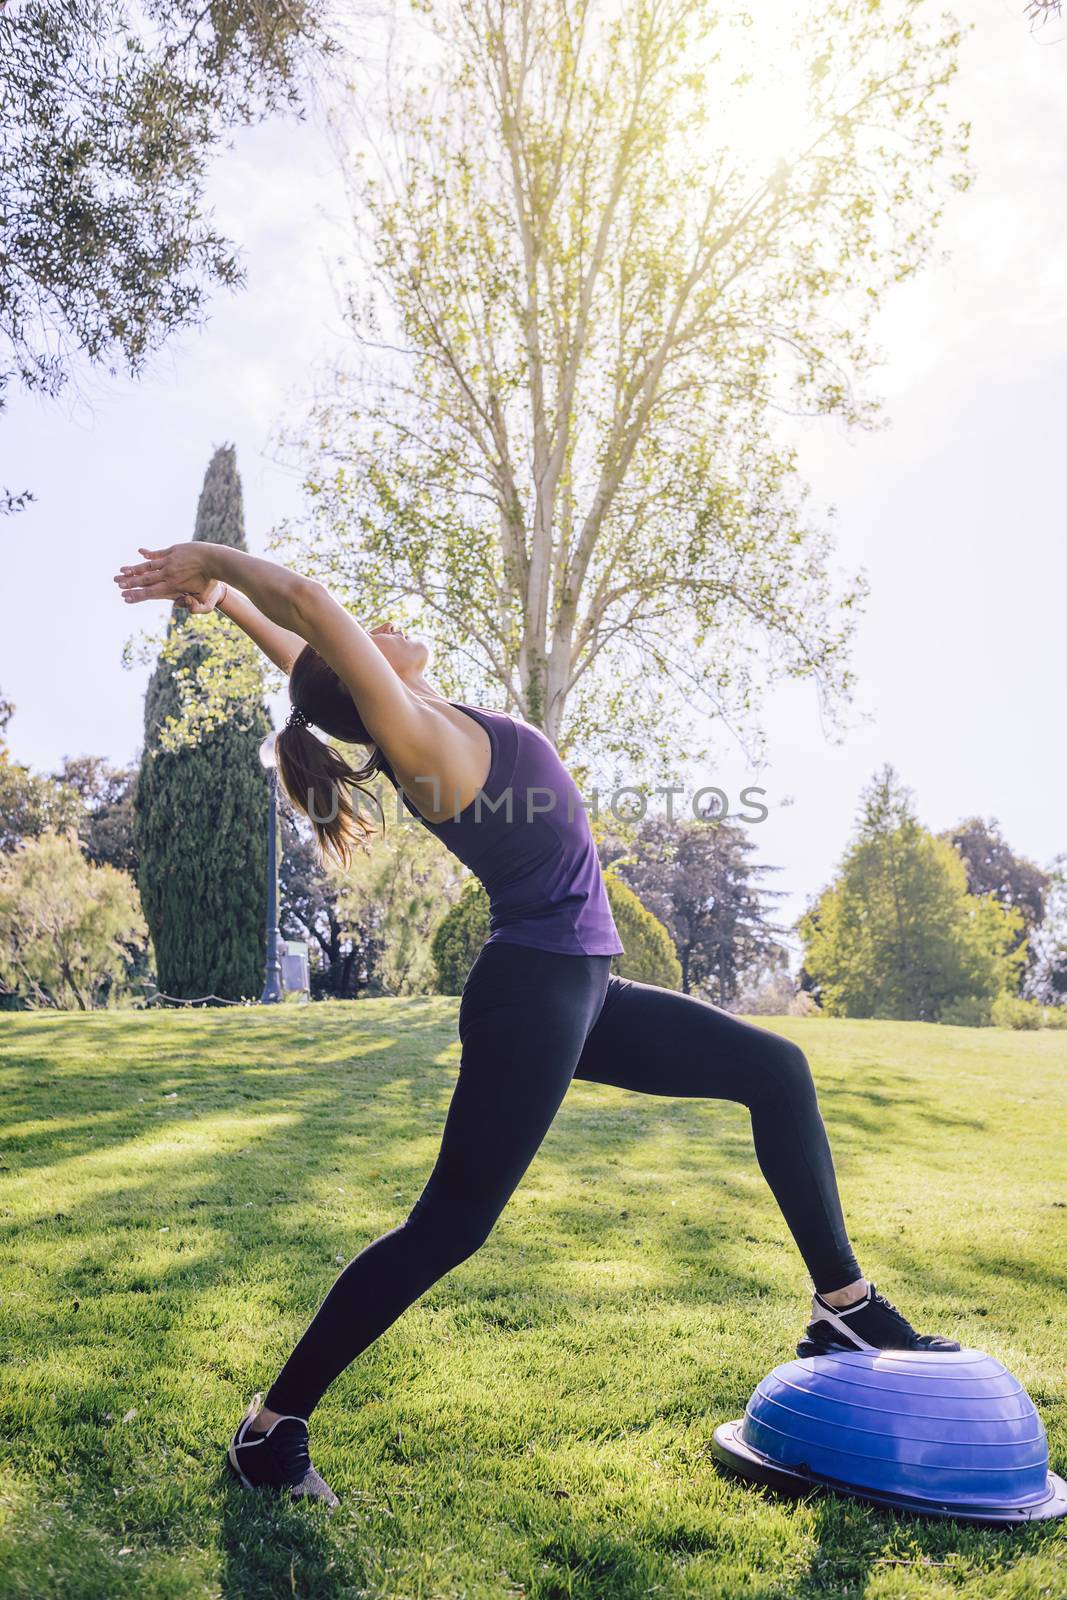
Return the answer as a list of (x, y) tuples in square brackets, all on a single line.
[(178, 1191)]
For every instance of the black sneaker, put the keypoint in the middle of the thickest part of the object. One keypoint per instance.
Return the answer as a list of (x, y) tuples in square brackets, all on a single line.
[(277, 1458), (871, 1324)]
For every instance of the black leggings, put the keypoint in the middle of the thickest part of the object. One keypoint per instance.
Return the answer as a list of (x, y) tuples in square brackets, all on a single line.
[(529, 1021)]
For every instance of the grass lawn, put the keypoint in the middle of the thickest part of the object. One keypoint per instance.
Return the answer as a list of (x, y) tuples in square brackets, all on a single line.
[(178, 1192)]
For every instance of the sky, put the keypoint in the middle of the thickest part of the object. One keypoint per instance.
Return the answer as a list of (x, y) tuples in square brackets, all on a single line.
[(955, 512)]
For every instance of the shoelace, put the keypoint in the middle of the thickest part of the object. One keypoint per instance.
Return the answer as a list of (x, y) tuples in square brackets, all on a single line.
[(888, 1306)]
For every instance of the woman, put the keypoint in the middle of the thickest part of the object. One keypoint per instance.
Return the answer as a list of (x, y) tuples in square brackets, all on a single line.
[(539, 1006)]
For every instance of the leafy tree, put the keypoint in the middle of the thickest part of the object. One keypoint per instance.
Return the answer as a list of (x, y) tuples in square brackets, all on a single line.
[(581, 310), (368, 925), (106, 795), (399, 885), (68, 929), (31, 804), (698, 879), (108, 118), (201, 800), (994, 868), (898, 935), (344, 954), (459, 936), (87, 794)]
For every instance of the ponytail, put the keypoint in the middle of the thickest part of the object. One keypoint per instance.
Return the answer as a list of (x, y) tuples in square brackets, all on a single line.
[(320, 782)]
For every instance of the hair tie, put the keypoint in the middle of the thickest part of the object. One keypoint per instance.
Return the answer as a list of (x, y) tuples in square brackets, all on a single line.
[(297, 719)]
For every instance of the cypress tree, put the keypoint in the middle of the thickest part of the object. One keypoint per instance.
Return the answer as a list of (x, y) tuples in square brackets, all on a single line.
[(201, 811)]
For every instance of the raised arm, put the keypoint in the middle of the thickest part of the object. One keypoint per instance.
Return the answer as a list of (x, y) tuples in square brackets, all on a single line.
[(280, 645), (408, 730)]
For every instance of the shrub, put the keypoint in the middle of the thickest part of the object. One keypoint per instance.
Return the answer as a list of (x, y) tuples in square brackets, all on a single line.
[(649, 957), (967, 1011), (68, 930), (1006, 1011), (460, 935), (1011, 1012)]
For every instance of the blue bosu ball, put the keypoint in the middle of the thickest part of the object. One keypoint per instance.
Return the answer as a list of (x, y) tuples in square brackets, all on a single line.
[(950, 1435)]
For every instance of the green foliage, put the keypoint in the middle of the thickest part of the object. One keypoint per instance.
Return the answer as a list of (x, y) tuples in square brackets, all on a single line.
[(396, 885), (458, 938), (213, 673), (202, 796), (898, 935), (106, 795), (650, 956), (108, 116), (68, 929), (699, 879), (1009, 1011), (31, 803), (994, 868), (591, 301), (202, 840), (343, 950), (649, 953), (87, 794), (1004, 1011), (968, 1011)]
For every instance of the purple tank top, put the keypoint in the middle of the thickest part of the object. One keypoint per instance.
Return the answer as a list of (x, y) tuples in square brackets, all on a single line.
[(526, 837)]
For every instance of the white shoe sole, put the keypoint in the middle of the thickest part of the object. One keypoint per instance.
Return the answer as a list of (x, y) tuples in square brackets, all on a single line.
[(232, 1457)]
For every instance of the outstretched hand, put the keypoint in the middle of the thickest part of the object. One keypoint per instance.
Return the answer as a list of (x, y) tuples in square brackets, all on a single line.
[(200, 604), (178, 572)]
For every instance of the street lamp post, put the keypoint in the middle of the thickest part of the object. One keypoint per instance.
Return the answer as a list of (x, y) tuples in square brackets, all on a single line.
[(272, 987)]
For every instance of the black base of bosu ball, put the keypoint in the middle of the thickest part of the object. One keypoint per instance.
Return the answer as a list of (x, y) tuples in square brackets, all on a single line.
[(951, 1435)]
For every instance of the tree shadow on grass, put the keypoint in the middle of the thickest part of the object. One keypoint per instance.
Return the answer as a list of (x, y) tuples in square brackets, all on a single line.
[(852, 1541), (100, 1107), (375, 1088), (970, 1268), (880, 1109), (328, 1119), (593, 1549)]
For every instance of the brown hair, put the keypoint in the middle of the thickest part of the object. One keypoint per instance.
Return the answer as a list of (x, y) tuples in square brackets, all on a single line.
[(315, 776)]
